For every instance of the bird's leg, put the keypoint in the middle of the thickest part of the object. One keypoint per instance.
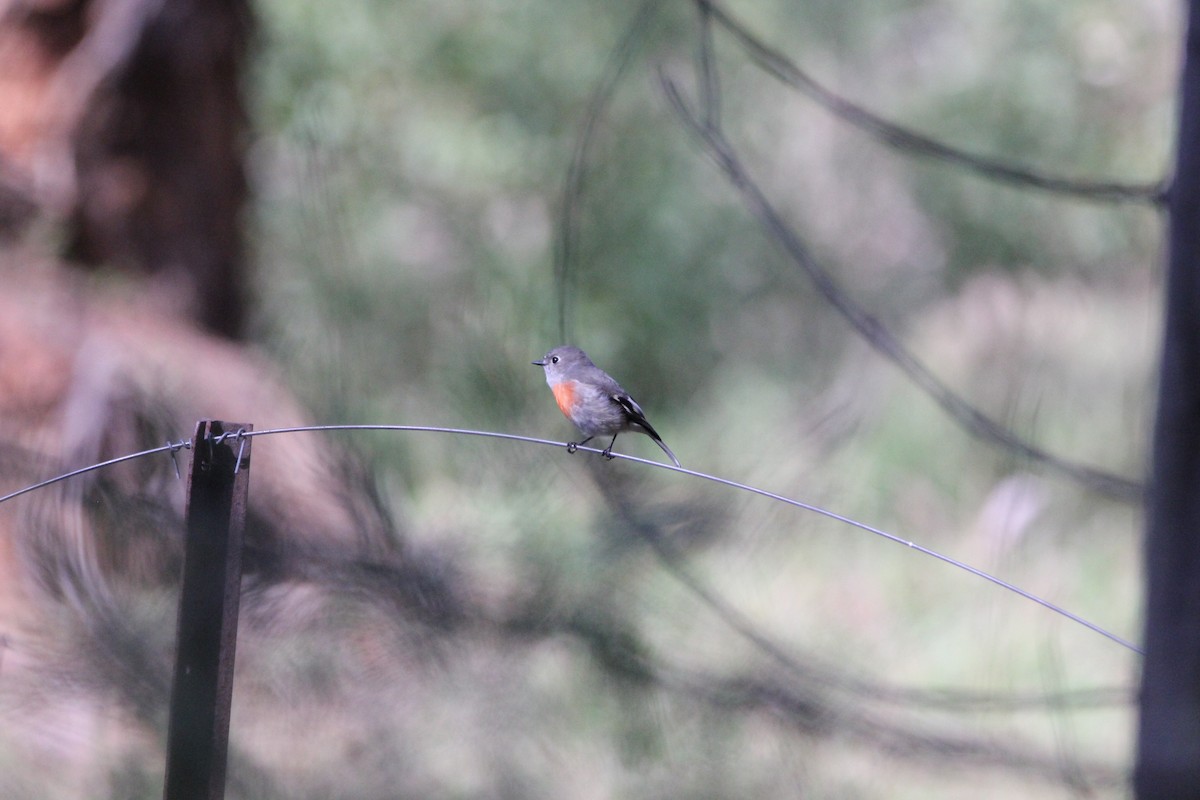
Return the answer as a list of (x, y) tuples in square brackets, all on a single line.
[(607, 452), (573, 446)]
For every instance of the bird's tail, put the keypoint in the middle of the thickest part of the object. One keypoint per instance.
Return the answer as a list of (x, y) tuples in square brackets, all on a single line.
[(667, 450)]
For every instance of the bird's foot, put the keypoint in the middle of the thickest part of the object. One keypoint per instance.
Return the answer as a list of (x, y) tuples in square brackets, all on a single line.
[(607, 453), (572, 447)]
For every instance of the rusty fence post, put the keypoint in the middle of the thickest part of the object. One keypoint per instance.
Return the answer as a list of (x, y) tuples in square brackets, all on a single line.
[(198, 727)]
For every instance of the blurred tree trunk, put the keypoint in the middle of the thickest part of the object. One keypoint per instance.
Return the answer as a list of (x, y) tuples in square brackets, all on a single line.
[(1168, 758), (124, 119)]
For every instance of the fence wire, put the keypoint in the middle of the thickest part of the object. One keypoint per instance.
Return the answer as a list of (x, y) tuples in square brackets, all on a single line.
[(174, 447)]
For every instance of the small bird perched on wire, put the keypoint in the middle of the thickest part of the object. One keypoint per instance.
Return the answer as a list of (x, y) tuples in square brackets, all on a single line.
[(593, 401)]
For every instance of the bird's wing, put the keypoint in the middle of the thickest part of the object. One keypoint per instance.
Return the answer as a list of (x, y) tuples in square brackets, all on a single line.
[(636, 417), (635, 413)]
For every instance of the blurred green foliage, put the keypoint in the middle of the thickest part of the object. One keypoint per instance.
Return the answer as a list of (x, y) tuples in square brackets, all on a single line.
[(409, 169)]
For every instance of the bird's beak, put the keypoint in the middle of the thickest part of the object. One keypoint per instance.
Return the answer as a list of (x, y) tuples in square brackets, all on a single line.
[(541, 363)]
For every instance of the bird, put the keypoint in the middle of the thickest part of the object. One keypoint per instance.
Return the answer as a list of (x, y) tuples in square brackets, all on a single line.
[(593, 401)]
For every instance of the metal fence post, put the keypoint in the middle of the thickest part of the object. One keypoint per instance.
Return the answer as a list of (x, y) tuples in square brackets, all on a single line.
[(198, 727)]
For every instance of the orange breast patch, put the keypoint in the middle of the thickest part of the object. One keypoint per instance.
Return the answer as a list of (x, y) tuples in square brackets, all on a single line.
[(564, 393)]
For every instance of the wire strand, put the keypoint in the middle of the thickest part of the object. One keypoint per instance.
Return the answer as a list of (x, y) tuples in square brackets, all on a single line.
[(962, 565), (891, 537), (172, 447)]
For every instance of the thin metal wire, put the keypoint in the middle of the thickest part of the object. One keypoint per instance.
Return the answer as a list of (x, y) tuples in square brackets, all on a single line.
[(753, 490), (891, 537), (172, 447), (242, 434)]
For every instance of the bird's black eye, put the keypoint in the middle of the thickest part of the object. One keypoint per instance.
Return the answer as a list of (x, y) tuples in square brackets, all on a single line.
[(553, 359)]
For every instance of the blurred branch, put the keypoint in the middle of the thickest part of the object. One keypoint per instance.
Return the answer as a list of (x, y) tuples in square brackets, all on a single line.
[(835, 677), (100, 57), (18, 202), (810, 699), (786, 71), (135, 136), (620, 652), (568, 221), (874, 331), (710, 85), (750, 693)]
